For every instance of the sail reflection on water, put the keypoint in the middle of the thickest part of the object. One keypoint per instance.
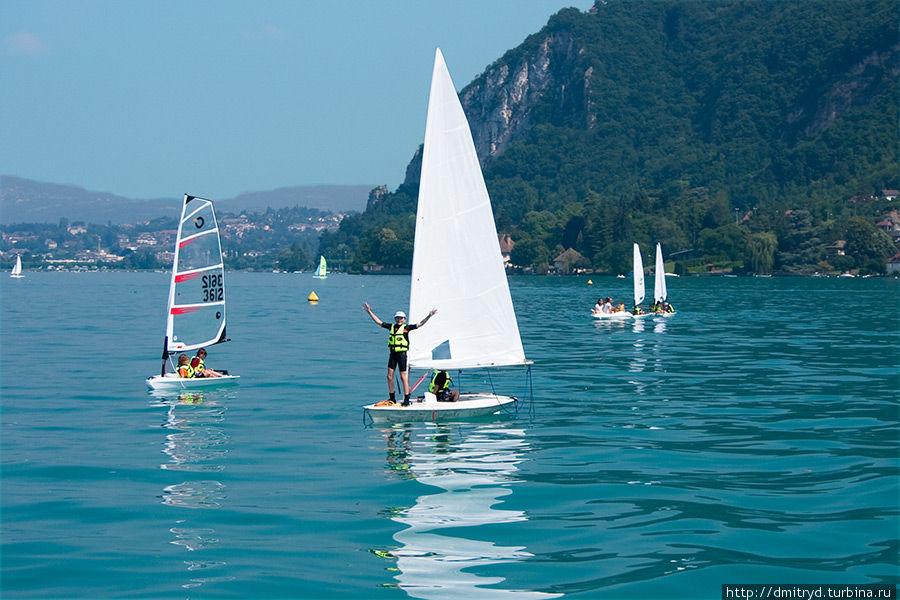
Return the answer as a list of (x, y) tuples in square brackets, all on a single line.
[(659, 326), (195, 443), (472, 475)]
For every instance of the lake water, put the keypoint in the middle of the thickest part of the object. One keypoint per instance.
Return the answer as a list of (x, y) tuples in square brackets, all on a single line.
[(751, 438)]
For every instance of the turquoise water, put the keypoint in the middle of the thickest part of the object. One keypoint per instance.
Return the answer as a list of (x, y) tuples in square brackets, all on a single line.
[(751, 438)]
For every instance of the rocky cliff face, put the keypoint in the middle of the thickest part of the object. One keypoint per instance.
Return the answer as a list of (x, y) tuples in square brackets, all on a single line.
[(376, 195), (501, 103), (856, 87), (549, 79)]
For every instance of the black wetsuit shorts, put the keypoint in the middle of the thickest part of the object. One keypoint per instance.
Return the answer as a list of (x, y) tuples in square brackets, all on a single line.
[(397, 360)]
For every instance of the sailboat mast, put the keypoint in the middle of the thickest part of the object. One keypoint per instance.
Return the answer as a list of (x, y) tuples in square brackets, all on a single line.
[(165, 355)]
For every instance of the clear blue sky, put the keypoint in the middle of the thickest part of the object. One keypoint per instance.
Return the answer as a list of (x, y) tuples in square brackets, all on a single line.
[(154, 98)]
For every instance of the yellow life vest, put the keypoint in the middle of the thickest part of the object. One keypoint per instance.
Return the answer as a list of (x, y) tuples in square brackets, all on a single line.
[(433, 388), (185, 371), (397, 340)]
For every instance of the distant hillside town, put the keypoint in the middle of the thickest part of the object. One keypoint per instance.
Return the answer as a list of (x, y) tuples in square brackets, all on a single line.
[(282, 239), (289, 240)]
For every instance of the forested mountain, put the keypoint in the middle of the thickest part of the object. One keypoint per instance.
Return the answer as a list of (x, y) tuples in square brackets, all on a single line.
[(751, 135)]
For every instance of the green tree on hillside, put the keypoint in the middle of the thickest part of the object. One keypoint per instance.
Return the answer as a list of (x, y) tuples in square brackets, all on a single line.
[(868, 246), (760, 252), (530, 253)]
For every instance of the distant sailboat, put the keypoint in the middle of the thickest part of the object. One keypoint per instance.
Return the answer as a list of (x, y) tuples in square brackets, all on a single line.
[(17, 268), (195, 312), (659, 276), (639, 291), (659, 281), (322, 269), (457, 267)]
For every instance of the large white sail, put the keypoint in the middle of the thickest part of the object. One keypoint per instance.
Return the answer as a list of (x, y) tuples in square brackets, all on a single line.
[(659, 285), (638, 276), (457, 266), (196, 310)]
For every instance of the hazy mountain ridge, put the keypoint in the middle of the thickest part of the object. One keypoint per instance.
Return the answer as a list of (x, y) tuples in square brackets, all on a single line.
[(26, 201)]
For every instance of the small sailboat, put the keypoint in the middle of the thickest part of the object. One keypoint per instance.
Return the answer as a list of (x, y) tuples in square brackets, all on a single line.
[(639, 291), (457, 268), (322, 269), (195, 312), (659, 281), (17, 268)]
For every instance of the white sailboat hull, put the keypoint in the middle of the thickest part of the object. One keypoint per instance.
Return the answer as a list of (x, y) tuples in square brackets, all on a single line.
[(171, 381), (429, 409), (616, 316)]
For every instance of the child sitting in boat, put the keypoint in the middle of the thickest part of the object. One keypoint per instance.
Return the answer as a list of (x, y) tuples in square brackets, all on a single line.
[(440, 387), (184, 366), (200, 370)]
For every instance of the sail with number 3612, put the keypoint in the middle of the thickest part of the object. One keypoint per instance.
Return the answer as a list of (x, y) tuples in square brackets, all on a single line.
[(195, 312)]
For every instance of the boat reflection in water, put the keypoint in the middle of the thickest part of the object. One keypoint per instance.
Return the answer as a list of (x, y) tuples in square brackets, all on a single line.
[(196, 443), (471, 473)]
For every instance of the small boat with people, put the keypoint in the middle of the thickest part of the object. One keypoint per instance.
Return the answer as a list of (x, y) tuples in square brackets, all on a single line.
[(639, 290), (457, 267), (661, 306), (195, 311), (605, 309)]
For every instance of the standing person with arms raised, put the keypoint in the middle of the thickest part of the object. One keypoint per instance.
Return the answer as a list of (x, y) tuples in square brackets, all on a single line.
[(398, 344)]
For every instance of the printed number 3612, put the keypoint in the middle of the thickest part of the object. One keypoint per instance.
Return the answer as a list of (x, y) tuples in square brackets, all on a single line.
[(212, 288)]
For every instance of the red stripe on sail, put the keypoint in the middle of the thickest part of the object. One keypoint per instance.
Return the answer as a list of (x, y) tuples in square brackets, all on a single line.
[(184, 243), (186, 277), (183, 310)]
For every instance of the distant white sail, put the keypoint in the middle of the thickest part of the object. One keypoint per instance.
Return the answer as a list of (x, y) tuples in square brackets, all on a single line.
[(638, 276), (17, 268), (196, 309), (659, 285), (457, 266)]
